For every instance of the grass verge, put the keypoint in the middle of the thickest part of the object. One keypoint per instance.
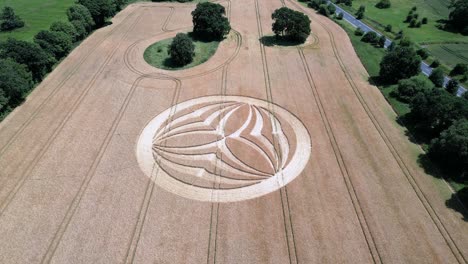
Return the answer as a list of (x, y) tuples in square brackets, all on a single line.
[(157, 54)]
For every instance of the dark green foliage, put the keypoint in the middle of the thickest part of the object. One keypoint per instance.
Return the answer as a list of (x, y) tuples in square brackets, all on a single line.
[(452, 87), (388, 28), (360, 12), (339, 16), (370, 37), (459, 69), (82, 14), (323, 10), (451, 148), (345, 2), (209, 21), (358, 32), (3, 103), (413, 23), (423, 53), (30, 54), (435, 110), (381, 41), (414, 8), (458, 17), (331, 9), (81, 31), (57, 44), (437, 77), (435, 64), (10, 20), (465, 95), (65, 27), (408, 18), (181, 50), (180, 1), (408, 88), (119, 4), (291, 24), (315, 4), (399, 63), (16, 82), (424, 20), (100, 9), (383, 4)]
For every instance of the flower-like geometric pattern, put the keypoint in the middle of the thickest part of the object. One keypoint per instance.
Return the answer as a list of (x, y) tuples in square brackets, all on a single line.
[(223, 148)]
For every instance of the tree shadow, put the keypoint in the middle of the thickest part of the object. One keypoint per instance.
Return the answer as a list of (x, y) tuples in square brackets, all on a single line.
[(459, 202), (203, 38), (271, 41)]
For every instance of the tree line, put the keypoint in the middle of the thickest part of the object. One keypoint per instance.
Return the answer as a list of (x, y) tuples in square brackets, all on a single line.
[(23, 64)]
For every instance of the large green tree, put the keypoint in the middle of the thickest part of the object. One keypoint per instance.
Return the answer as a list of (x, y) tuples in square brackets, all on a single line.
[(290, 24), (399, 63), (56, 43), (38, 61), (451, 148), (100, 9), (10, 20), (15, 82), (437, 77), (458, 17), (181, 49), (435, 110), (81, 13), (209, 21), (408, 88), (65, 27)]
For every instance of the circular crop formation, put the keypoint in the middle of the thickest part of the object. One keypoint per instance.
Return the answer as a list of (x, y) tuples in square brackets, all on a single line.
[(223, 148)]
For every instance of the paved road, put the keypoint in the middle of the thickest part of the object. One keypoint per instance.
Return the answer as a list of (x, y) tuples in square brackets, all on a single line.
[(425, 68)]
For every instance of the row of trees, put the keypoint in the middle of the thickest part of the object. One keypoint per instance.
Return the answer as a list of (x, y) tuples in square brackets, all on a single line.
[(23, 63), (436, 116)]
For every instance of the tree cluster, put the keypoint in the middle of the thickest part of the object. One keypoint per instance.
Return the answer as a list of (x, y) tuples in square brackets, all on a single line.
[(458, 17), (412, 19), (360, 13), (345, 2), (23, 63), (10, 20), (400, 62), (290, 24), (209, 22)]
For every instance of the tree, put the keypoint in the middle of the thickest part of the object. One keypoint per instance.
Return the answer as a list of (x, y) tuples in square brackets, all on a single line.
[(459, 69), (291, 24), (452, 87), (80, 29), (451, 148), (99, 9), (119, 4), (423, 53), (435, 110), (437, 77), (3, 102), (30, 54), (358, 32), (458, 17), (323, 10), (345, 2), (16, 81), (56, 43), (370, 37), (424, 20), (331, 9), (339, 16), (315, 4), (209, 21), (435, 64), (181, 49), (381, 41), (383, 4), (10, 19), (388, 28), (399, 63), (82, 14), (408, 88), (360, 12), (65, 27)]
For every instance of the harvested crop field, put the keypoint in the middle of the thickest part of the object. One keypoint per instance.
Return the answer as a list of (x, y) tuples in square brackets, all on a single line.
[(259, 155)]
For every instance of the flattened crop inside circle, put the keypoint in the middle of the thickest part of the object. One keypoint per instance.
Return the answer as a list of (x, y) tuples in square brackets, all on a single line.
[(223, 148)]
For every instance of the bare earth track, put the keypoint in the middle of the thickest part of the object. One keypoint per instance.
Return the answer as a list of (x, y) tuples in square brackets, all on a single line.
[(260, 155)]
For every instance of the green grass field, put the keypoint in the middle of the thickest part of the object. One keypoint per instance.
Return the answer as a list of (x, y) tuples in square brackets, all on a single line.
[(157, 56), (452, 53), (37, 15)]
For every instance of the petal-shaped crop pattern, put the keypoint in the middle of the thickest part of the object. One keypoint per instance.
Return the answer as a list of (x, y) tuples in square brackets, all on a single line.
[(223, 148)]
